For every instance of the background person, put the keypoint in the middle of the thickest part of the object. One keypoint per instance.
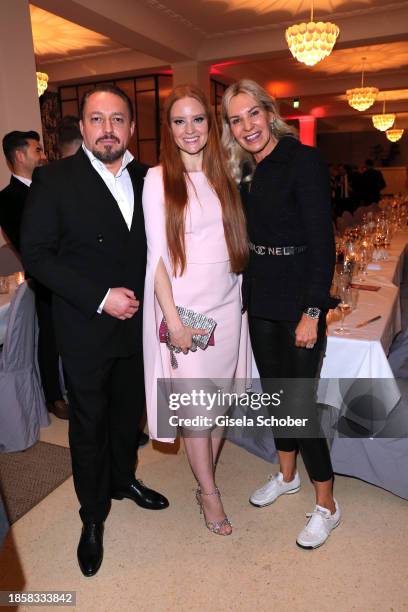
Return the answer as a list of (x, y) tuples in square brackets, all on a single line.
[(372, 183), (69, 136), (24, 152), (287, 201)]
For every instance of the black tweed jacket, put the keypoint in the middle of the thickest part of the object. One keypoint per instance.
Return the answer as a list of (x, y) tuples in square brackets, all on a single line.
[(288, 204)]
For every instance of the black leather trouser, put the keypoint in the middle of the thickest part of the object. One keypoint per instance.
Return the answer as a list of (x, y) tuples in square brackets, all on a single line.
[(276, 356)]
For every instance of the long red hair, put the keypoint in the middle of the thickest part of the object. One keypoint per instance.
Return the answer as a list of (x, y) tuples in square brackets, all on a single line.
[(175, 187)]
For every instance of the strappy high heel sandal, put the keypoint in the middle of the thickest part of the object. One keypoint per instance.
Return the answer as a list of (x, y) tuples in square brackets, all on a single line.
[(213, 526)]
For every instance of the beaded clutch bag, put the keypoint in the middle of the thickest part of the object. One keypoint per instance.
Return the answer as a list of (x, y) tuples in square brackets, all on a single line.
[(190, 318)]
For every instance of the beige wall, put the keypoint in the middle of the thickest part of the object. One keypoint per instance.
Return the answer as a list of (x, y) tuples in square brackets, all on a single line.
[(19, 104)]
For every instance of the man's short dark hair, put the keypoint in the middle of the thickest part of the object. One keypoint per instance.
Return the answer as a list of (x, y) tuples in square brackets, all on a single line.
[(108, 89), (369, 163), (17, 140), (68, 130)]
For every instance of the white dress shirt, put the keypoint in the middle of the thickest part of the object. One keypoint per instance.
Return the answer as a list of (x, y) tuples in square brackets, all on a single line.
[(23, 179), (120, 186)]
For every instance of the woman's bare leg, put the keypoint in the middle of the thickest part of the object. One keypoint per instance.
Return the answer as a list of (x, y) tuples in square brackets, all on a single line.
[(200, 456)]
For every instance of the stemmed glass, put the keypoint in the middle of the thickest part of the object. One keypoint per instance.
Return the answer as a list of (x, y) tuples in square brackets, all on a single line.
[(345, 306), (362, 263)]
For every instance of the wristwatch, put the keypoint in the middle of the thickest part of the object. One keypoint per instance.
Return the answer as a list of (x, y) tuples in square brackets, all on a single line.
[(313, 312)]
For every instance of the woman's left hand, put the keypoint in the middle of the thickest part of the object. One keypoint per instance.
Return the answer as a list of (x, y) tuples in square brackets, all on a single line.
[(306, 332)]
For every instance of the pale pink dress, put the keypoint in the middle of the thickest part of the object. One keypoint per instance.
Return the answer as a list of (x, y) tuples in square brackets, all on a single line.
[(207, 286)]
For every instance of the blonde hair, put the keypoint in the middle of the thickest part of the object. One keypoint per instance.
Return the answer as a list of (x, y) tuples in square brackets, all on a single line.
[(237, 156)]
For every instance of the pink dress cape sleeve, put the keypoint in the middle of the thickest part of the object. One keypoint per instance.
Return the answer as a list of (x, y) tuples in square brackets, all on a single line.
[(154, 366)]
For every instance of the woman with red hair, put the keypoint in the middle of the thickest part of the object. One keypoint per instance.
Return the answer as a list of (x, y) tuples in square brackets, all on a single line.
[(197, 246)]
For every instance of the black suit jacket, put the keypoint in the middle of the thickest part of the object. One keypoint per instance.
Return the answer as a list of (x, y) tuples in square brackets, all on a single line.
[(12, 200), (75, 241), (288, 204), (372, 182)]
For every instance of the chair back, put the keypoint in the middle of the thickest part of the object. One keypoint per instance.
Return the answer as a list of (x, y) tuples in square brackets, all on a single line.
[(345, 221), (358, 214), (20, 341)]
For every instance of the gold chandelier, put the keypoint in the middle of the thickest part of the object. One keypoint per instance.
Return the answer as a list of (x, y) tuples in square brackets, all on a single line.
[(383, 122), (311, 42), (361, 98), (394, 135), (42, 82)]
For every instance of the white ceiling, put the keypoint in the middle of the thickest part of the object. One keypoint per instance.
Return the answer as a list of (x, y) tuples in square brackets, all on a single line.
[(217, 17), (56, 38), (236, 38)]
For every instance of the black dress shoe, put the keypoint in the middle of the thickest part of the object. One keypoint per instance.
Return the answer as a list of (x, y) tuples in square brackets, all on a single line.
[(142, 496), (143, 439), (90, 548)]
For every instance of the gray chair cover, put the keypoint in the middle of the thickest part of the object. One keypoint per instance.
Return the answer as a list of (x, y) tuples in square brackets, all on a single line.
[(22, 404), (9, 261), (381, 461), (398, 357)]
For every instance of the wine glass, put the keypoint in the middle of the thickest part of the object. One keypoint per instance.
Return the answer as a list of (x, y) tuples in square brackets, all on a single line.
[(345, 306), (362, 264)]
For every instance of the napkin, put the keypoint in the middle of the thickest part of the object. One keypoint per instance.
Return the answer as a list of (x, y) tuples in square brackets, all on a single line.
[(373, 266)]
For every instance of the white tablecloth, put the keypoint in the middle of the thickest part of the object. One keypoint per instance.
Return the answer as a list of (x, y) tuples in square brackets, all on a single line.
[(390, 271), (362, 353)]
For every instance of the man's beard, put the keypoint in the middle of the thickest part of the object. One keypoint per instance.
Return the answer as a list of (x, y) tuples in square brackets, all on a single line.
[(107, 155)]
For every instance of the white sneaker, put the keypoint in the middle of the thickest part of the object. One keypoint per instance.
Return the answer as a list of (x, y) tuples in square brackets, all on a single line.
[(275, 487), (319, 526)]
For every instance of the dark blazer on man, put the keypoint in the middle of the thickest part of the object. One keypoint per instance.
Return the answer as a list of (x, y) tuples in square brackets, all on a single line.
[(76, 242), (372, 182), (12, 199)]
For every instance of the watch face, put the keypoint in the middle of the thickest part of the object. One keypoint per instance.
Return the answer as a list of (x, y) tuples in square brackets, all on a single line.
[(314, 313)]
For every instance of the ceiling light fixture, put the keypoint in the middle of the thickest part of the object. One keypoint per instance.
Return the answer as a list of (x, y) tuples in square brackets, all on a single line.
[(361, 98), (42, 82), (395, 134), (384, 121), (311, 42)]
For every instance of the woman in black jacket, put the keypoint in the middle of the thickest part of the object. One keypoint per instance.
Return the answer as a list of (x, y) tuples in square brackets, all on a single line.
[(286, 192)]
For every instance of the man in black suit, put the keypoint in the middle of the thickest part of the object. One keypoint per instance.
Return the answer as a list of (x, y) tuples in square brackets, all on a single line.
[(23, 152), (372, 183), (83, 236)]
